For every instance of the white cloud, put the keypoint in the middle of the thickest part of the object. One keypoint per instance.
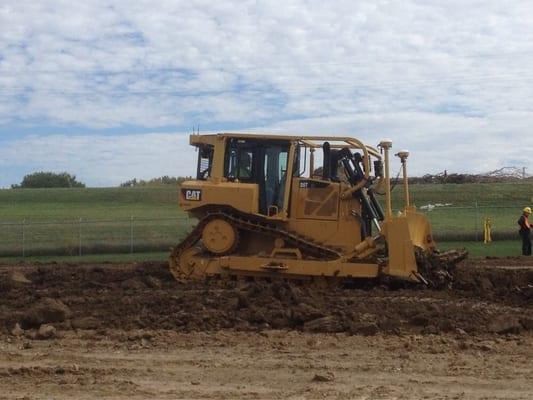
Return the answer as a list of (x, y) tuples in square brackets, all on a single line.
[(99, 160), (456, 143), (437, 142), (451, 80)]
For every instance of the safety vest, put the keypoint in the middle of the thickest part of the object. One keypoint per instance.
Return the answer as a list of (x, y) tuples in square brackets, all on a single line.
[(524, 223)]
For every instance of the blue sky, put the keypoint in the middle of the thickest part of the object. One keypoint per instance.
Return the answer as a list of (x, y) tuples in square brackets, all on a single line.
[(110, 90)]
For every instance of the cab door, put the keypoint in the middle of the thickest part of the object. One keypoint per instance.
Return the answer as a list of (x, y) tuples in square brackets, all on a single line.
[(263, 162)]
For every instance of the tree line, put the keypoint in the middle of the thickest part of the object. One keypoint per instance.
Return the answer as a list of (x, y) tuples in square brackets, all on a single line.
[(160, 181), (44, 179), (48, 180), (65, 180)]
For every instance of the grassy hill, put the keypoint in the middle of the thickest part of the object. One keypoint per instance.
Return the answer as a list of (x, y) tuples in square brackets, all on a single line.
[(485, 194), (162, 201), (70, 221), (90, 203)]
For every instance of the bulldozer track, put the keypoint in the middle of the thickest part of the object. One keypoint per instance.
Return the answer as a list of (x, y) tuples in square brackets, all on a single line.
[(308, 248), (434, 269)]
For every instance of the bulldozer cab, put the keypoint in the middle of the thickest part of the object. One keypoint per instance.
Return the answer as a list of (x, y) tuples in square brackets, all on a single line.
[(281, 177), (282, 170), (263, 163)]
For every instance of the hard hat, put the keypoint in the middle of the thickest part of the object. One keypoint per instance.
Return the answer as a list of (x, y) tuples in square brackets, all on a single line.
[(527, 210)]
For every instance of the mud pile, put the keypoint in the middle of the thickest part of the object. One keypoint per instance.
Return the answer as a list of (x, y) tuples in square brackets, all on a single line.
[(508, 279), (486, 298)]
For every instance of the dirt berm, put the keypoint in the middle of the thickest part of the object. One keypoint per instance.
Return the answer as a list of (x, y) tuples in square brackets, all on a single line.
[(488, 296)]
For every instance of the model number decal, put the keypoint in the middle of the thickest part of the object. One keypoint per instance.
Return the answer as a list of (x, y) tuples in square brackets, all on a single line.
[(312, 184), (192, 194)]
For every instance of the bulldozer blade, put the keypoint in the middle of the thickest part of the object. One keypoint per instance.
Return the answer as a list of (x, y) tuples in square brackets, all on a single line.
[(419, 229), (401, 251)]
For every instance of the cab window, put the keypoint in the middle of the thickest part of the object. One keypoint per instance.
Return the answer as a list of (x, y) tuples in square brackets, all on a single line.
[(205, 162)]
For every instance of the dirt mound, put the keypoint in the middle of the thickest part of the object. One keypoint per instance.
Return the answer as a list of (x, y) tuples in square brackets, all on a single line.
[(44, 311), (145, 296), (509, 279)]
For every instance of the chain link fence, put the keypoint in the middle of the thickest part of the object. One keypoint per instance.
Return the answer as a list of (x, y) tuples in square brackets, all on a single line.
[(466, 223), (82, 237), (135, 235)]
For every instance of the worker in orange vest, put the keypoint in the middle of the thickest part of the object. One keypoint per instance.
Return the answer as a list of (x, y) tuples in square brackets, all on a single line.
[(525, 231)]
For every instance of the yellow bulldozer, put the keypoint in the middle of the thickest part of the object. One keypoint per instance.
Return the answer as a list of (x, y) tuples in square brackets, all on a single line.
[(300, 207)]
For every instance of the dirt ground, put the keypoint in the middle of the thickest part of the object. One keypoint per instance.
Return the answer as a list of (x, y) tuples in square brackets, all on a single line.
[(130, 331)]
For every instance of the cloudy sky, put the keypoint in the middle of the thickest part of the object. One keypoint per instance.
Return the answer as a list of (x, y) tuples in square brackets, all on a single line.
[(109, 90)]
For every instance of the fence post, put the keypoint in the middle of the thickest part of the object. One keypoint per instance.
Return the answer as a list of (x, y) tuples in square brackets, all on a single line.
[(23, 238), (79, 238), (131, 234), (476, 224)]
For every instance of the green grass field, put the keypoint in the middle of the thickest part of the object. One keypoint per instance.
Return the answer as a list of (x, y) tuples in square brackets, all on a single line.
[(485, 194), (470, 205), (40, 205), (103, 220), (147, 218)]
